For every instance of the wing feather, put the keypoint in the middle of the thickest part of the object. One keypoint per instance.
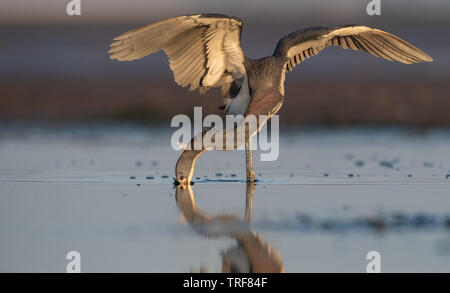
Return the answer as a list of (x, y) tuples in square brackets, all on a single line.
[(310, 41), (350, 43), (202, 48)]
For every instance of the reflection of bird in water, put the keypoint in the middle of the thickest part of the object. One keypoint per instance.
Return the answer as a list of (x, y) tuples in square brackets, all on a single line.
[(205, 51), (251, 255)]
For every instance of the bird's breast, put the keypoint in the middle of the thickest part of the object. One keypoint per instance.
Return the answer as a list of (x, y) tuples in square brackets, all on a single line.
[(239, 104)]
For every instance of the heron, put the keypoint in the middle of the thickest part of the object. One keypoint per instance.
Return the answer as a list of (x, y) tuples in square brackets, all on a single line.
[(204, 52)]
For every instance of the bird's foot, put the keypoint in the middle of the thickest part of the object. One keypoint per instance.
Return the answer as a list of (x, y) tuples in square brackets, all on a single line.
[(251, 176)]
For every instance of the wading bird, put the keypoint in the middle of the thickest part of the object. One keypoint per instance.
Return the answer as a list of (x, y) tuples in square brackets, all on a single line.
[(205, 52)]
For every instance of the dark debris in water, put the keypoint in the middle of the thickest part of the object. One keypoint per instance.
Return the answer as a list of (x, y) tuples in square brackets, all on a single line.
[(387, 164), (206, 180), (359, 163), (396, 221), (428, 164), (349, 157)]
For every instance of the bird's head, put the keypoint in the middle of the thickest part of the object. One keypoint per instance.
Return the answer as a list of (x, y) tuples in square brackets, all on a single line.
[(182, 179), (184, 170)]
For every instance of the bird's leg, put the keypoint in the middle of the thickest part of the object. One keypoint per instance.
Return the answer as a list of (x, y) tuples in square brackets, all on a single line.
[(249, 158), (249, 201), (252, 173)]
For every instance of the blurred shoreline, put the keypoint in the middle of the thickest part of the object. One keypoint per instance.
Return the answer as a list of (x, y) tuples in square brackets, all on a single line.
[(57, 70), (331, 101)]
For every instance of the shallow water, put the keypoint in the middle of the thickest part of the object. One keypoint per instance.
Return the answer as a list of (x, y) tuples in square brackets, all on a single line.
[(331, 197)]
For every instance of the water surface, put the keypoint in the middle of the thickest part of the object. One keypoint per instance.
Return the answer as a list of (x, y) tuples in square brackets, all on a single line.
[(331, 197)]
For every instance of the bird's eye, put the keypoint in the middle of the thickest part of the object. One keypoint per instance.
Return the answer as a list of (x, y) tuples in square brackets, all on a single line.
[(181, 177)]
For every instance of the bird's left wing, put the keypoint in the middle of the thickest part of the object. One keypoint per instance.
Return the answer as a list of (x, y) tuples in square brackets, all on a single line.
[(204, 50), (303, 44)]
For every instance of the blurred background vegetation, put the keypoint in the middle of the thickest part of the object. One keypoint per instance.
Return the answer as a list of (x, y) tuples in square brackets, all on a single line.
[(55, 68)]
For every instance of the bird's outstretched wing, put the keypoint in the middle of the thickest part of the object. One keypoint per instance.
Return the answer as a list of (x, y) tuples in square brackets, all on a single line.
[(303, 44), (204, 50)]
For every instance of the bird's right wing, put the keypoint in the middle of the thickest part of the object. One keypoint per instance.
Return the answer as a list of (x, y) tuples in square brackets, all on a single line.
[(204, 50), (305, 43)]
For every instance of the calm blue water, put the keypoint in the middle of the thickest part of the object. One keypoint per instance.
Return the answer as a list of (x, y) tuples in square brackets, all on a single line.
[(330, 198)]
